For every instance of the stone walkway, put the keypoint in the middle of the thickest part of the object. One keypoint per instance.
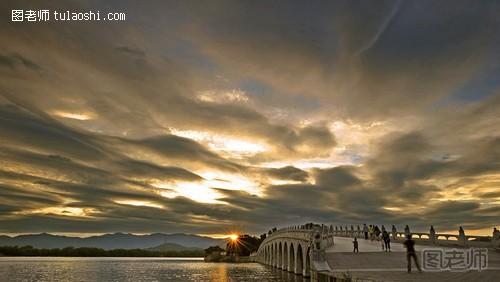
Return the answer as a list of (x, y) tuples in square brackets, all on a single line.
[(343, 244), (372, 264)]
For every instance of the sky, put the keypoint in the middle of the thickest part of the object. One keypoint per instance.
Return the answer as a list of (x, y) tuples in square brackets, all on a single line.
[(210, 117)]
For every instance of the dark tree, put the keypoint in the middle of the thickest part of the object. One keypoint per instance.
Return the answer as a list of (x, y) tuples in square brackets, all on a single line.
[(243, 246), (213, 249)]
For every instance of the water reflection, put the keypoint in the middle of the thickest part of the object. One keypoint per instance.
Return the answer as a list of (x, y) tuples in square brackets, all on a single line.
[(287, 276), (136, 269)]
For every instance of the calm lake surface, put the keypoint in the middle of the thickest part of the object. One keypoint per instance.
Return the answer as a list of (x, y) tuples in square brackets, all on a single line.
[(134, 269)]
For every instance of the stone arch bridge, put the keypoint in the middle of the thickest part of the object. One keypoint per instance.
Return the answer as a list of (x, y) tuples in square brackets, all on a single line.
[(302, 249), (297, 249)]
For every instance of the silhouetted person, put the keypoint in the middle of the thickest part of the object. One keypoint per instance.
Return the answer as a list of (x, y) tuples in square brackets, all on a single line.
[(387, 240), (377, 231), (370, 231), (365, 230), (410, 253), (496, 234), (355, 245)]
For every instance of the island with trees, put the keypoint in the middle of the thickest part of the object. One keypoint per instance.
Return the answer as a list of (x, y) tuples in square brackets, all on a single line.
[(238, 249), (29, 251)]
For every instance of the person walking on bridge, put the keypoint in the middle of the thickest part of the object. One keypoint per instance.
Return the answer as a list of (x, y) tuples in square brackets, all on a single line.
[(410, 253), (377, 231), (365, 230), (355, 245), (387, 241)]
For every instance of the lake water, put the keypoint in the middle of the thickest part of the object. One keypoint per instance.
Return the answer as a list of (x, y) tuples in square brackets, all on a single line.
[(134, 269)]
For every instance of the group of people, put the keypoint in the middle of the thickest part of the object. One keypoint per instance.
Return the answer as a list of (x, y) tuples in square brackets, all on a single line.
[(375, 233), (380, 234)]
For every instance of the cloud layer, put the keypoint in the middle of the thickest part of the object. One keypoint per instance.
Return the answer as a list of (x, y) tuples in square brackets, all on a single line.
[(222, 116)]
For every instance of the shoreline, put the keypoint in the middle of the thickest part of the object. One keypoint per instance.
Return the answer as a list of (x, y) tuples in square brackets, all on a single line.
[(7, 258)]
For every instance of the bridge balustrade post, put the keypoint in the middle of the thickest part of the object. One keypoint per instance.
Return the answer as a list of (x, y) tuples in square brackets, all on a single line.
[(462, 239), (495, 239), (432, 235), (407, 230)]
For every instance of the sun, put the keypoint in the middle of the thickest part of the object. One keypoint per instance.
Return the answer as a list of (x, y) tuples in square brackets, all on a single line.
[(233, 237)]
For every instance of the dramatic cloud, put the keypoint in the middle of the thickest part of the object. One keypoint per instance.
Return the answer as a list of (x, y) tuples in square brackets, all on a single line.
[(220, 116)]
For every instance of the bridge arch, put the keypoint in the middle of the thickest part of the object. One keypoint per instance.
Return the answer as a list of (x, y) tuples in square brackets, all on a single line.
[(266, 255), (291, 267), (307, 266), (285, 256), (299, 260), (280, 255), (272, 255), (276, 254), (289, 249)]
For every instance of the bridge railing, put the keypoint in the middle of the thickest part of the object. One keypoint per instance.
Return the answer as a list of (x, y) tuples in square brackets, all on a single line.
[(297, 232), (431, 237), (302, 232)]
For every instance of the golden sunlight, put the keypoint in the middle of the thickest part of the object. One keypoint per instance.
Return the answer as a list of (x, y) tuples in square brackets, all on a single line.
[(233, 237), (394, 209), (139, 203), (203, 191), (230, 182), (77, 116), (196, 191), (63, 211), (222, 143), (232, 96)]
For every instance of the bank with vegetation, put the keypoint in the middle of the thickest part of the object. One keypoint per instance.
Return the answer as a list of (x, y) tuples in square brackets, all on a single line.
[(29, 251)]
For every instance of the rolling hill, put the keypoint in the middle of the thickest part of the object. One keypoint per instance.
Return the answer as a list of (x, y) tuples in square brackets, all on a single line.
[(112, 241)]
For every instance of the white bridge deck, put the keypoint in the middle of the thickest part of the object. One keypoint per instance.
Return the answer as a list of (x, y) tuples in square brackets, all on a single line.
[(372, 264)]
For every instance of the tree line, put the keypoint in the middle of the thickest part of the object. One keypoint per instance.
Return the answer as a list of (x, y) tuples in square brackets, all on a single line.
[(29, 251)]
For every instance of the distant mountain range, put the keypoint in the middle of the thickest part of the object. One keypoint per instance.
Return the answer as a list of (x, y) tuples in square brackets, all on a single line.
[(113, 241), (167, 247)]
